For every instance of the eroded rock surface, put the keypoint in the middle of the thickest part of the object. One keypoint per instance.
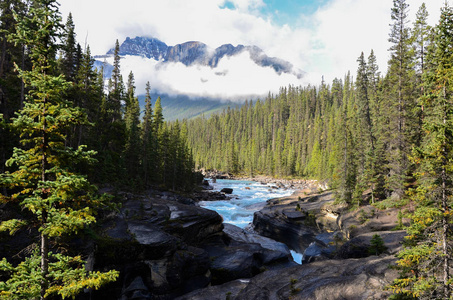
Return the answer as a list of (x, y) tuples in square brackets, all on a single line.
[(165, 248), (330, 279)]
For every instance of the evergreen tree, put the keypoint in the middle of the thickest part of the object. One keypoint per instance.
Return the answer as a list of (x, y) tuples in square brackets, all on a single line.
[(421, 37), (70, 54), (113, 137), (132, 147), (11, 86), (365, 136), (116, 86), (148, 137), (426, 260), (44, 182), (401, 122)]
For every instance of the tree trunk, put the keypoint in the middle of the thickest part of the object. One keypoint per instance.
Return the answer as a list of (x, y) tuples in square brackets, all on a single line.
[(44, 239), (445, 209), (44, 264)]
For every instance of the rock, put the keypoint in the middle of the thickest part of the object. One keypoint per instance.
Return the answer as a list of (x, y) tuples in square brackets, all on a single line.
[(327, 280), (230, 263), (136, 290), (227, 190), (294, 215), (193, 224), (228, 290), (206, 195), (316, 252), (296, 221), (358, 246), (206, 186), (189, 269), (237, 254), (272, 223), (153, 243), (272, 250)]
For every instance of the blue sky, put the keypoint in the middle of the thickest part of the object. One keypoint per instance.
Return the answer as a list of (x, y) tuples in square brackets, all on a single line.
[(319, 37), (286, 11)]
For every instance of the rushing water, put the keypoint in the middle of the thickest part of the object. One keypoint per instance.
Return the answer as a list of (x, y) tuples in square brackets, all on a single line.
[(247, 197)]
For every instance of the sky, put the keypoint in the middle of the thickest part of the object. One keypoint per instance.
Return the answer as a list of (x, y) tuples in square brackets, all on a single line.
[(322, 38)]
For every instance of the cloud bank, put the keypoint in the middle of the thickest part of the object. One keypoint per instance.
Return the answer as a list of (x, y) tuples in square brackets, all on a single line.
[(326, 42), (235, 78)]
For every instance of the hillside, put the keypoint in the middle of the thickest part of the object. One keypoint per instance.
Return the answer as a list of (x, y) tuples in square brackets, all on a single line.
[(182, 107)]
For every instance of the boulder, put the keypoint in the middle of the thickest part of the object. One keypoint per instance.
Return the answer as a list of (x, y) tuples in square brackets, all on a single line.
[(227, 190), (136, 290), (296, 221), (272, 250), (316, 252), (359, 246), (237, 254), (274, 224), (153, 242)]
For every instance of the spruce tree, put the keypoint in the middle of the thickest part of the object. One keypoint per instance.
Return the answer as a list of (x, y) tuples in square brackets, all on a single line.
[(69, 50), (365, 137), (426, 260), (400, 102), (421, 38), (148, 138), (132, 147), (61, 201)]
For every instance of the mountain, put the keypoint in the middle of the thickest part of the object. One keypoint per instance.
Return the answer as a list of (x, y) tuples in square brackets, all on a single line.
[(193, 79), (192, 53)]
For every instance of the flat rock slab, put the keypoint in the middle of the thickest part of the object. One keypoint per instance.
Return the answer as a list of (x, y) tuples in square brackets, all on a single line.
[(149, 234), (328, 280)]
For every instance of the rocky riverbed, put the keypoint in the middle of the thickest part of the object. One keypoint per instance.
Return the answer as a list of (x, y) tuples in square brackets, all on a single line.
[(339, 261), (167, 247), (171, 248)]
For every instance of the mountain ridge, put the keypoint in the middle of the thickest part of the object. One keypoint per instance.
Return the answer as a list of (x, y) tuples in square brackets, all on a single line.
[(195, 52)]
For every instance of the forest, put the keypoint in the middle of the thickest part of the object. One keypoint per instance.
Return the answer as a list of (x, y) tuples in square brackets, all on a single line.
[(382, 138), (63, 134)]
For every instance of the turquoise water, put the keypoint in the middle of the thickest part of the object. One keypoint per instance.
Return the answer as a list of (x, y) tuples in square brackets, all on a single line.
[(248, 197)]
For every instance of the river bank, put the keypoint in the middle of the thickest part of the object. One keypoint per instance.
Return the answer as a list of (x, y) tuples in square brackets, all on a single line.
[(340, 262), (168, 247)]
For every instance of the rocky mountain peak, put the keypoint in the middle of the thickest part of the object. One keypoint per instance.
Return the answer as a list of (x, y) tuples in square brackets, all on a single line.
[(198, 53), (143, 46)]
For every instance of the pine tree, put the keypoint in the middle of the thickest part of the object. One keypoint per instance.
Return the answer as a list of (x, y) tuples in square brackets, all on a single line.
[(44, 182), (421, 37), (148, 137), (11, 87), (365, 137), (133, 141), (113, 126), (402, 123), (116, 86), (426, 260), (69, 51)]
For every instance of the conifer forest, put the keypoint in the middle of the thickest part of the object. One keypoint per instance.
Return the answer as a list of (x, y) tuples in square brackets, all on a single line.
[(383, 138)]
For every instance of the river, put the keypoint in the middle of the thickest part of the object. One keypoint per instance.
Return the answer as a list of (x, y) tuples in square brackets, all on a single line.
[(247, 197)]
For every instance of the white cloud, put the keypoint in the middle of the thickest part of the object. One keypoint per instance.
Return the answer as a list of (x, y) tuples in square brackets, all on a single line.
[(327, 42), (235, 78), (345, 28)]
